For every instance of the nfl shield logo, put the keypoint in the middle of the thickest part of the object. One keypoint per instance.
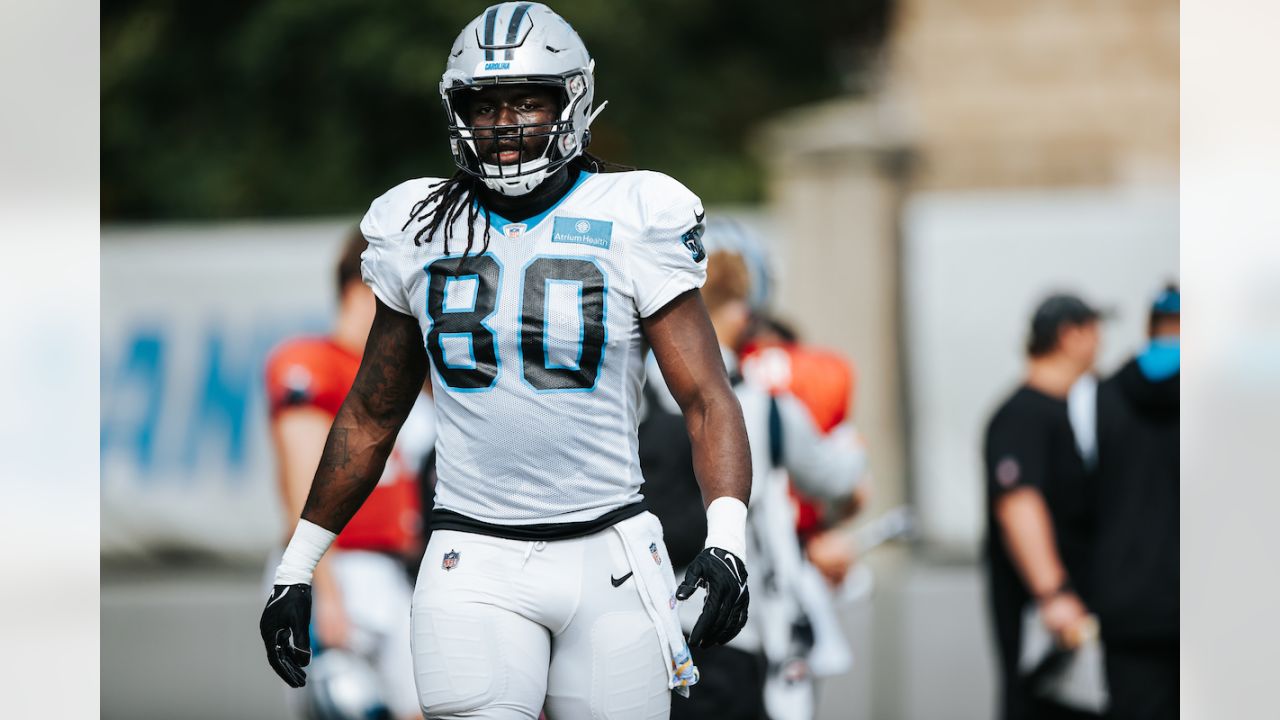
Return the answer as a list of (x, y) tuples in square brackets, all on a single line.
[(653, 550), (450, 560), (515, 230)]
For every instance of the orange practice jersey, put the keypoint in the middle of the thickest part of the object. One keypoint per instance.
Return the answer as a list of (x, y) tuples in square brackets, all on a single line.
[(317, 373), (821, 379)]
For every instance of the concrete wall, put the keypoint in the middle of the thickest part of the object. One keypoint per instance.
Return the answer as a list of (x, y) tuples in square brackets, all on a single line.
[(836, 182), (1039, 93)]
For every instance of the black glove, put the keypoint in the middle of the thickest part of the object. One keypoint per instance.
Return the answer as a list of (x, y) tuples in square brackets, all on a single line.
[(285, 631), (724, 576)]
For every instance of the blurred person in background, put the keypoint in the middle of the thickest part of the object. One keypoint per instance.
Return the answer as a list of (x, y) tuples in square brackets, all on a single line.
[(762, 672), (361, 590), (545, 579), (1040, 503), (1136, 574), (826, 382)]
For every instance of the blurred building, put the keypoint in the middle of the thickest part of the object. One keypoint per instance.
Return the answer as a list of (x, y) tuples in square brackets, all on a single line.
[(1021, 95), (990, 98)]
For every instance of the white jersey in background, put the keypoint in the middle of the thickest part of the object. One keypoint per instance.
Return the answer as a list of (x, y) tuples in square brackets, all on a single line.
[(536, 345)]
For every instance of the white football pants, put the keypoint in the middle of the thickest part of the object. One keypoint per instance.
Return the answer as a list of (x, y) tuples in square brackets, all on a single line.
[(515, 623)]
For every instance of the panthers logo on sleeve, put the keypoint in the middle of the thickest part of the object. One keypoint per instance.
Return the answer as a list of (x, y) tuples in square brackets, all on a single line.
[(693, 240)]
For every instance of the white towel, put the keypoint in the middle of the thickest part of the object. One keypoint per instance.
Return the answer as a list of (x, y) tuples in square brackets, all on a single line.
[(1076, 679), (642, 539)]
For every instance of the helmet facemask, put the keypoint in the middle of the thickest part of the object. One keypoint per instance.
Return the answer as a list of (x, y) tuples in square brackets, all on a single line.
[(565, 139)]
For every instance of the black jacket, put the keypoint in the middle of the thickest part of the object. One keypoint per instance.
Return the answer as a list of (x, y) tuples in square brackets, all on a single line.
[(670, 487), (1136, 565)]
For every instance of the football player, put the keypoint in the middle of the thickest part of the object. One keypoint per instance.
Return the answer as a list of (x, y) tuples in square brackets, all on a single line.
[(762, 672), (361, 591), (528, 285)]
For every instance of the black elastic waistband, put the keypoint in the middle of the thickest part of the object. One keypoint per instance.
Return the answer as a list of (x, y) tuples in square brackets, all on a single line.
[(450, 520)]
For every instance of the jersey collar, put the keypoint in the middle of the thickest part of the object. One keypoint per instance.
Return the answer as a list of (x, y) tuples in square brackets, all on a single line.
[(499, 223)]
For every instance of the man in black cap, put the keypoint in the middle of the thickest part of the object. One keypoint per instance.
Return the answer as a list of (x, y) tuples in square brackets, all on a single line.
[(1136, 566), (1039, 500)]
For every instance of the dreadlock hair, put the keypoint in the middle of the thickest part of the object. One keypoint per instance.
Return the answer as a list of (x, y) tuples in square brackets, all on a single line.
[(449, 198)]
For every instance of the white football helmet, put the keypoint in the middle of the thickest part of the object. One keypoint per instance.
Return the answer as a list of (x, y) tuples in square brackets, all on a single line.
[(520, 43), (726, 234), (343, 686)]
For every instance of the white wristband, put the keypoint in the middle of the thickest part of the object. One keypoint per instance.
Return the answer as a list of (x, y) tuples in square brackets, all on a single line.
[(727, 525), (305, 549)]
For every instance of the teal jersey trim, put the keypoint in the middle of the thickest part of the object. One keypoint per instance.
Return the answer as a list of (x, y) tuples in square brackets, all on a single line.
[(499, 223)]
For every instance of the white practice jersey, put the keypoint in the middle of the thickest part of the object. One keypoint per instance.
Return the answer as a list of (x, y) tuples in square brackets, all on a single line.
[(536, 344)]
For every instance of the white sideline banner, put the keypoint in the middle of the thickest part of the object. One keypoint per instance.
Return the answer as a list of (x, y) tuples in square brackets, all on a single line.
[(189, 314)]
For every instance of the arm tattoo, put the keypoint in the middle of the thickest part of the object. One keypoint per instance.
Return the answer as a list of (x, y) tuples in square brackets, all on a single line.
[(390, 377), (392, 371), (335, 454)]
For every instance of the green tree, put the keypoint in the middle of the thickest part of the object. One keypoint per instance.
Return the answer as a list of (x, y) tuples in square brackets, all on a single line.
[(296, 107)]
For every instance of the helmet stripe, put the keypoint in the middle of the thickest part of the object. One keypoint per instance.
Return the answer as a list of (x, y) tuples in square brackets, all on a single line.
[(490, 19), (513, 27)]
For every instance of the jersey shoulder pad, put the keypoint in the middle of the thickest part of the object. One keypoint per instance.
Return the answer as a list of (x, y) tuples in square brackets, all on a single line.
[(658, 194), (667, 257), (389, 213), (388, 229), (825, 382)]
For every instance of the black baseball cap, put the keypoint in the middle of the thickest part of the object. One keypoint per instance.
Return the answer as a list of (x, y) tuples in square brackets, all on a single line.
[(1052, 314)]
